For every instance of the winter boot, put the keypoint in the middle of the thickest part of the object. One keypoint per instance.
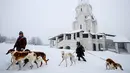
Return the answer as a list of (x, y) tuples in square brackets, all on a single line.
[(78, 58), (83, 58)]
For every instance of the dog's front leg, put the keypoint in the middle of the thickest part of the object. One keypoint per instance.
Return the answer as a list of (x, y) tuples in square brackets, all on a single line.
[(13, 63), (31, 65), (9, 66), (106, 66), (61, 62), (19, 65), (11, 59), (66, 62)]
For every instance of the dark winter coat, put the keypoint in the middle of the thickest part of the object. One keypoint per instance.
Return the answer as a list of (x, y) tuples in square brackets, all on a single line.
[(80, 51), (20, 43)]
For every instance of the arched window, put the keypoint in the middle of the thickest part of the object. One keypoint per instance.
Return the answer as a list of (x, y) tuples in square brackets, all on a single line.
[(92, 17), (60, 47), (100, 46), (81, 9), (85, 16), (80, 26), (67, 47), (78, 35), (94, 47)]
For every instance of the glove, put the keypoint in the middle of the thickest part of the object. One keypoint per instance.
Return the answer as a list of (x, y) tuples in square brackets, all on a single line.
[(22, 49), (83, 50)]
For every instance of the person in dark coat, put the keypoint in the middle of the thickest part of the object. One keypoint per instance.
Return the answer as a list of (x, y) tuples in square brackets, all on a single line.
[(21, 42), (80, 51)]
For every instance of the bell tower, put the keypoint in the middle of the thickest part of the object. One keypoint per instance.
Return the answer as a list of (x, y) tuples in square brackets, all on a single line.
[(85, 19), (83, 1)]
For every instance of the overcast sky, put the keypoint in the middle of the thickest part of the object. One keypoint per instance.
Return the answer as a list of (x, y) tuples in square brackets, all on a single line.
[(46, 18)]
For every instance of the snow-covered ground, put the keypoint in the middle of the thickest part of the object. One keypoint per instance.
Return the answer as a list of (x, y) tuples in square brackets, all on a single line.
[(93, 65)]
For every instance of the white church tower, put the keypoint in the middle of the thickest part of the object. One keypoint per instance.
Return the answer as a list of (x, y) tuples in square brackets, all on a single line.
[(85, 19), (84, 30)]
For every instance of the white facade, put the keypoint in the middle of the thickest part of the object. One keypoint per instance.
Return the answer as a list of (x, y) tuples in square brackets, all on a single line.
[(84, 31), (128, 47)]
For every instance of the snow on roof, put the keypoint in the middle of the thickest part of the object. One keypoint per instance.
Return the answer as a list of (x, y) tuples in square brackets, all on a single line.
[(90, 32), (94, 33), (74, 31), (70, 32), (119, 39)]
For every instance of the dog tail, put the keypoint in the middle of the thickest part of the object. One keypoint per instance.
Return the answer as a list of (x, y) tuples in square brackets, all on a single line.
[(44, 59), (120, 67), (47, 60)]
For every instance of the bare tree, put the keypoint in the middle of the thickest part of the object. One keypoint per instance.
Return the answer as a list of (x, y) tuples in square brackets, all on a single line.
[(10, 40), (2, 38), (35, 41)]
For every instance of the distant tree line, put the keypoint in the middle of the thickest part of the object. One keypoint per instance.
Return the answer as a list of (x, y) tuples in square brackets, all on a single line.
[(35, 41), (2, 38), (32, 41)]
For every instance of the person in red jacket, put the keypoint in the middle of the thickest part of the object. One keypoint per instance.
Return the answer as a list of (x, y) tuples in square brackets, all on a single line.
[(21, 42)]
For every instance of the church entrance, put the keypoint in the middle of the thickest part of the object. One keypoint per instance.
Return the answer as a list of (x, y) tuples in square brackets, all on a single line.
[(67, 47), (94, 47), (99, 47), (122, 47)]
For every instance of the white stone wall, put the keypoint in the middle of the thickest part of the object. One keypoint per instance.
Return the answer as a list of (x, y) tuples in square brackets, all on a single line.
[(71, 43), (128, 47), (94, 28), (86, 42)]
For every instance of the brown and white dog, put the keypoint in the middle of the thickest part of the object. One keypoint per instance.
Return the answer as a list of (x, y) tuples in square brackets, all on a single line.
[(112, 65), (40, 57), (19, 56), (65, 56)]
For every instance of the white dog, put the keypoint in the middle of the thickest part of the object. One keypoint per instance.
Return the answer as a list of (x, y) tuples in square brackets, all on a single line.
[(65, 56)]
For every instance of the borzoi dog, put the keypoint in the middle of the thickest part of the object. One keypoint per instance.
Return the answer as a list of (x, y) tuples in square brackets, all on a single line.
[(112, 65), (40, 57), (19, 56), (65, 56)]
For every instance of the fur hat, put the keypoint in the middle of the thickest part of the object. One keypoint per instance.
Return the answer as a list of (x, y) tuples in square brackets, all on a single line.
[(20, 32)]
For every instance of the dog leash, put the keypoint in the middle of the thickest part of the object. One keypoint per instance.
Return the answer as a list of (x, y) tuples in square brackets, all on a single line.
[(74, 52), (94, 55), (97, 56)]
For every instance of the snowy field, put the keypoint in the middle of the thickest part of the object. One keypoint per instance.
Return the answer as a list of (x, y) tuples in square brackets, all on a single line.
[(93, 65)]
